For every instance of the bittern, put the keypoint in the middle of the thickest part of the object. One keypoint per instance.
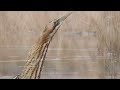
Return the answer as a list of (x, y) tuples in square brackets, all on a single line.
[(36, 58)]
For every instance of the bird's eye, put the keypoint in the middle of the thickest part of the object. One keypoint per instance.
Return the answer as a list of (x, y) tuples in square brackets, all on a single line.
[(56, 23)]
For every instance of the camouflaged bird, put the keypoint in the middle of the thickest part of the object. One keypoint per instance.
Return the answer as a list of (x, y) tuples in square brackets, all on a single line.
[(36, 57)]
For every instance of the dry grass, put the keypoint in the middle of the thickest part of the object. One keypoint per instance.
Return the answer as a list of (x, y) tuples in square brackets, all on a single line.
[(108, 34)]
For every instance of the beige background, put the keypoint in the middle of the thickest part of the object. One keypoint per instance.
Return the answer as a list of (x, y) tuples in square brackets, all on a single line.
[(72, 52)]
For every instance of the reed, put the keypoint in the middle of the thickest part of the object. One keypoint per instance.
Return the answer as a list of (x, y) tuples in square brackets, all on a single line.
[(108, 36)]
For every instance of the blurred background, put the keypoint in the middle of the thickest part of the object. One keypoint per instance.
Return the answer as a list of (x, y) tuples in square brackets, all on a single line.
[(86, 46)]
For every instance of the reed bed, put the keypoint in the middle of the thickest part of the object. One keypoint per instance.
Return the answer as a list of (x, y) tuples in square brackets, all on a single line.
[(108, 36)]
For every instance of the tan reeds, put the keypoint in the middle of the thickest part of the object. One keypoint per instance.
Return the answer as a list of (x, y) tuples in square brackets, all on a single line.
[(108, 35)]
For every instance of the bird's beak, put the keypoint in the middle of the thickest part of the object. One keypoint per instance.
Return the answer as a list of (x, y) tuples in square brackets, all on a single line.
[(63, 18), (59, 21)]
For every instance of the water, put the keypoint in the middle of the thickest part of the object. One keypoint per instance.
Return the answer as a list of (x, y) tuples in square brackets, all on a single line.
[(71, 58), (62, 65)]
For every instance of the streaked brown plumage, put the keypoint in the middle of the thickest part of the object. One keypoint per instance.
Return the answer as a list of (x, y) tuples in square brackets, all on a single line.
[(36, 57)]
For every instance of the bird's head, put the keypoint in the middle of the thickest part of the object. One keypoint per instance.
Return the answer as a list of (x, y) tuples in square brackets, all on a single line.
[(56, 23)]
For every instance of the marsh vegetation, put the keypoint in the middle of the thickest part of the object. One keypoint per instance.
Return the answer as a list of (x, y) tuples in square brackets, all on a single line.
[(87, 46)]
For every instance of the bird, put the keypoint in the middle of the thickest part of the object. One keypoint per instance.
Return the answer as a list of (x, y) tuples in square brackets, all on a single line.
[(36, 56)]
